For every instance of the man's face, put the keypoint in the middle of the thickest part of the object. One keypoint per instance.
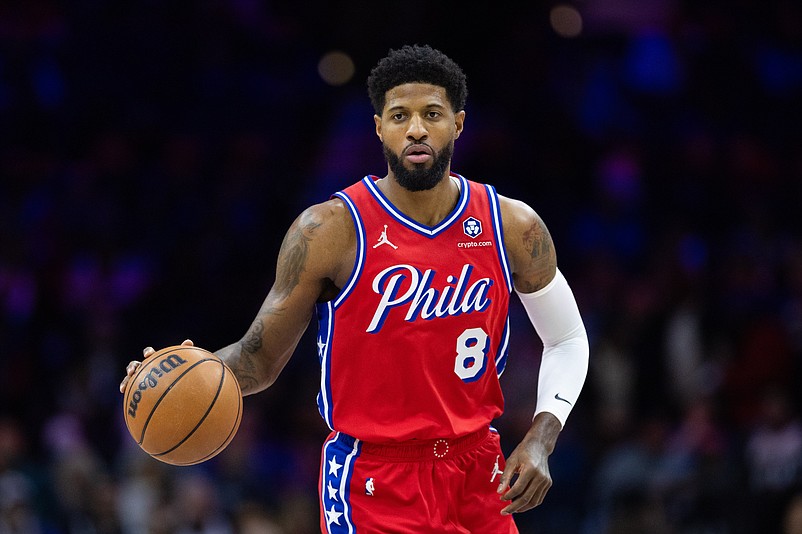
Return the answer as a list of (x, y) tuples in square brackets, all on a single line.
[(417, 129)]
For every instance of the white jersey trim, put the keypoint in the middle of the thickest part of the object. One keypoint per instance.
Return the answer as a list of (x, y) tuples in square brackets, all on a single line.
[(430, 231), (498, 229)]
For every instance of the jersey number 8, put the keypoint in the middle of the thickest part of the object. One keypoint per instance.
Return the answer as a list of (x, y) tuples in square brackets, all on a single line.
[(472, 347)]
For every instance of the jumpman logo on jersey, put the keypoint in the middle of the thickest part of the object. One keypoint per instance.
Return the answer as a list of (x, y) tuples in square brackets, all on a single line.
[(383, 239)]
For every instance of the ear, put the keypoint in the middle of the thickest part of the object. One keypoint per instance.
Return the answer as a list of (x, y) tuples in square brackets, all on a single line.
[(378, 121), (459, 122)]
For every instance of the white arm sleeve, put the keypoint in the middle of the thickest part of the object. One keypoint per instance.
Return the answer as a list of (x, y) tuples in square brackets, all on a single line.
[(564, 366)]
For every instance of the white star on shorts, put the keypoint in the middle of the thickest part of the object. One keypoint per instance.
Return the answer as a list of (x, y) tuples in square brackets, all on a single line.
[(333, 516), (332, 492), (334, 467)]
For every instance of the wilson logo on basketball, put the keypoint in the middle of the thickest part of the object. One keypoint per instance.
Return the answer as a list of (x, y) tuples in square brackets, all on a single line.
[(152, 378)]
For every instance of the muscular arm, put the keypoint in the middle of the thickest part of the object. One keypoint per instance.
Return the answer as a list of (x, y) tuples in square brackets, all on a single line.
[(530, 248), (533, 261), (314, 257)]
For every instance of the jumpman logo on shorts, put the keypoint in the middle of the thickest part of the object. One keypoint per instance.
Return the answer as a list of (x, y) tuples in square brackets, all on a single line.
[(496, 470), (383, 239)]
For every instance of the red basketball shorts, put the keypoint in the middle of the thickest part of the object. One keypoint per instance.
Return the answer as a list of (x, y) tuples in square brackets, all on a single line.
[(430, 486)]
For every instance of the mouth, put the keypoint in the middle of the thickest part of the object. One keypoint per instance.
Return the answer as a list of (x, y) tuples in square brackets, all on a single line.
[(418, 153)]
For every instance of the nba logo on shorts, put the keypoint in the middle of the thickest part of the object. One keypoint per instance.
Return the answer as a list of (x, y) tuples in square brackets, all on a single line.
[(472, 227)]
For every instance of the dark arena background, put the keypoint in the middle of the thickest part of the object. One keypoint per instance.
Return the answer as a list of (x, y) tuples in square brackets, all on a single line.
[(153, 153)]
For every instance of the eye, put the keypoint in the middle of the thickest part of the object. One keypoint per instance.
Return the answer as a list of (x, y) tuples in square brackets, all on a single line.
[(434, 114), (397, 116)]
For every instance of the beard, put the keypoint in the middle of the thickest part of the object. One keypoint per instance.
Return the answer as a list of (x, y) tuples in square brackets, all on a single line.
[(419, 178)]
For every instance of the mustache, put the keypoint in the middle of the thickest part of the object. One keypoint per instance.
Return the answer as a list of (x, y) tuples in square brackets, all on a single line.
[(419, 147)]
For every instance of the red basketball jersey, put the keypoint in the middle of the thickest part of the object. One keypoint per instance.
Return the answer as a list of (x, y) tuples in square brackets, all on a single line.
[(414, 344)]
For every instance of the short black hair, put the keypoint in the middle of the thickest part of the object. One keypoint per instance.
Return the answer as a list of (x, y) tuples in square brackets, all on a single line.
[(417, 64)]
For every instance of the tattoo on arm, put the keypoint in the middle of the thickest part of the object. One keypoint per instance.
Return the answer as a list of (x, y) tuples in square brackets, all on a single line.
[(537, 241), (252, 341), (292, 256), (249, 373), (244, 366), (249, 346), (248, 361)]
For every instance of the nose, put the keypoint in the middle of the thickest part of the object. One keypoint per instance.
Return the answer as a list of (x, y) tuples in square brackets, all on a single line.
[(416, 130)]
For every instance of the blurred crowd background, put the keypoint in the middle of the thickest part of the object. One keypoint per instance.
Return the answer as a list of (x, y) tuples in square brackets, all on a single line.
[(153, 153)]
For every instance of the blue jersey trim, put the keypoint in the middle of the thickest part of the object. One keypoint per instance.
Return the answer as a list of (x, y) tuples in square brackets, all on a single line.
[(428, 231), (501, 355), (325, 314), (339, 455)]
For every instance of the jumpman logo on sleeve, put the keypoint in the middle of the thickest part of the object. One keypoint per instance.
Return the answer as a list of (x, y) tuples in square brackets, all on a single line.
[(383, 239)]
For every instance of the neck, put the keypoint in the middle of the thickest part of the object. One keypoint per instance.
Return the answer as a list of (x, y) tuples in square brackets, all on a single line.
[(426, 207)]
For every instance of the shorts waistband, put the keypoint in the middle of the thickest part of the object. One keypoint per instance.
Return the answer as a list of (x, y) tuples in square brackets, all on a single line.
[(426, 449)]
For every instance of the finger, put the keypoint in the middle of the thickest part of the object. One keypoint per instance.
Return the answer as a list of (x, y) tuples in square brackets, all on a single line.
[(533, 496), (187, 343), (130, 369), (514, 508), (147, 351), (516, 489), (518, 502), (506, 477)]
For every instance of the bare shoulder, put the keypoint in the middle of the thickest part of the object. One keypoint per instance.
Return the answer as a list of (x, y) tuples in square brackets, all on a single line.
[(318, 245), (330, 218), (529, 245)]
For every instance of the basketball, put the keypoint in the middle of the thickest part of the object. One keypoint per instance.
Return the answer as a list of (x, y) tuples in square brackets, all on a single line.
[(183, 405)]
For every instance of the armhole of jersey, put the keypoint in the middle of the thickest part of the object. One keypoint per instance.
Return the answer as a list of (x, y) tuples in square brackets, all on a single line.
[(498, 230), (503, 348), (325, 328), (360, 249)]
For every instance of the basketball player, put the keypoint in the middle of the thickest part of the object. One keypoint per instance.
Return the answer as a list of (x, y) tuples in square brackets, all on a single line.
[(409, 278)]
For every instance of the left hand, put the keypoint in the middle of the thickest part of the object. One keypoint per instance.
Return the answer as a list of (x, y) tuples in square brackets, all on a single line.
[(530, 462)]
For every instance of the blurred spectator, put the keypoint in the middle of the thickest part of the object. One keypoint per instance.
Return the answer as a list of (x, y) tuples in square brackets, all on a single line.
[(21, 500), (792, 516), (774, 458), (625, 490), (143, 490), (197, 506), (253, 519)]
